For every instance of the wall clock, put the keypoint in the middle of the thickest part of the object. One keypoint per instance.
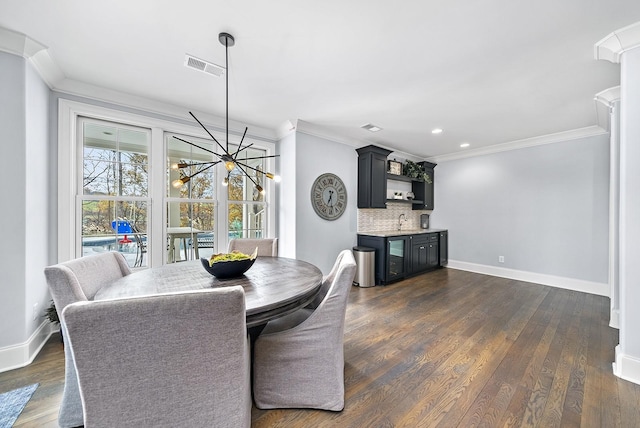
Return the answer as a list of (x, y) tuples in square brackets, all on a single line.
[(329, 196)]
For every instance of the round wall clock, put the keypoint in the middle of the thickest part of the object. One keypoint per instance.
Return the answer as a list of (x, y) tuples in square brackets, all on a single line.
[(329, 196)]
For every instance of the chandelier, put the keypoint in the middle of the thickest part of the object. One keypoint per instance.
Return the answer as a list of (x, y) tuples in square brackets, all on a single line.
[(229, 158)]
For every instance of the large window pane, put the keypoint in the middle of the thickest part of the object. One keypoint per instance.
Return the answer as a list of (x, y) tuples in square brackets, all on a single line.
[(115, 161), (246, 208), (109, 225), (246, 220), (190, 230), (114, 190), (242, 187), (185, 160)]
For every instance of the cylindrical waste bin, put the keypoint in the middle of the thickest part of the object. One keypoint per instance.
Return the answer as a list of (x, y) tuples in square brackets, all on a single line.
[(365, 261)]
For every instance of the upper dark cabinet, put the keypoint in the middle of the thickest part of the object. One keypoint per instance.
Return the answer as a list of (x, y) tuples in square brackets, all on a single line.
[(424, 190), (372, 180), (372, 177)]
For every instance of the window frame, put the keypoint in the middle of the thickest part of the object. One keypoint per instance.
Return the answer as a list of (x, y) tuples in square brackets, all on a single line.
[(69, 210)]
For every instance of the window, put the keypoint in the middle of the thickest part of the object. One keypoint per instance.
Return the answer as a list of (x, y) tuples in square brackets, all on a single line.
[(114, 175), (246, 206), (114, 195), (191, 207)]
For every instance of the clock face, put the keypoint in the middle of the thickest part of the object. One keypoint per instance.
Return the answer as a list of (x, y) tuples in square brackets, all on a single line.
[(329, 196)]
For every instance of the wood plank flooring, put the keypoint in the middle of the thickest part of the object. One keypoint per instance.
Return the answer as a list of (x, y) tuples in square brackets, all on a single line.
[(445, 349)]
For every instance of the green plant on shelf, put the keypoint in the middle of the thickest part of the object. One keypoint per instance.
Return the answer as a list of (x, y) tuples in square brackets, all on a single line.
[(414, 170)]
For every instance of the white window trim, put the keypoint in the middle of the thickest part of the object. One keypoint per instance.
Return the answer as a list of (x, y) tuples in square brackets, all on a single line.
[(68, 215)]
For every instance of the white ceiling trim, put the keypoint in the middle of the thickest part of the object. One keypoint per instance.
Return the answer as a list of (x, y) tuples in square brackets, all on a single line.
[(322, 132), (18, 43), (611, 47), (604, 103), (558, 137), (35, 52)]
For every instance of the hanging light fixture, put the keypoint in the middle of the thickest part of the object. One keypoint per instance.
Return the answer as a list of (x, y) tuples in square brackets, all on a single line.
[(230, 160)]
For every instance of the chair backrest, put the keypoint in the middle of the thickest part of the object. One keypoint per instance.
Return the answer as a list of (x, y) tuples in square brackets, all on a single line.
[(266, 246), (179, 359), (331, 311), (80, 279), (335, 301), (327, 281)]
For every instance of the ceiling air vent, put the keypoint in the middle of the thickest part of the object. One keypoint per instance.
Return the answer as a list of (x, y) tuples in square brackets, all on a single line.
[(371, 127), (202, 65)]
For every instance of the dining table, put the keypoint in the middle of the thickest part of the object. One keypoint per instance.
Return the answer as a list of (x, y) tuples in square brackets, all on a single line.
[(273, 286), (183, 234)]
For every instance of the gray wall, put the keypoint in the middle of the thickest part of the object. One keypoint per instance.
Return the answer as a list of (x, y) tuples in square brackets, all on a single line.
[(12, 216), (544, 208), (24, 113), (319, 241)]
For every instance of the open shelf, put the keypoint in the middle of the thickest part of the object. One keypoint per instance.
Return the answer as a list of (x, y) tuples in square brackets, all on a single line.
[(406, 201)]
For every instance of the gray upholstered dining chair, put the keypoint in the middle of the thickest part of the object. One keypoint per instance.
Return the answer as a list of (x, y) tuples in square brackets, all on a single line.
[(299, 358), (178, 359), (74, 281), (266, 246)]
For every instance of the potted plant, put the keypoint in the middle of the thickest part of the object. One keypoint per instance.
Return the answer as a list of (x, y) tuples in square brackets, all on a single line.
[(414, 170), (52, 315)]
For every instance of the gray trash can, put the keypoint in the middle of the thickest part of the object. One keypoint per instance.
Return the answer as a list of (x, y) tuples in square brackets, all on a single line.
[(365, 261)]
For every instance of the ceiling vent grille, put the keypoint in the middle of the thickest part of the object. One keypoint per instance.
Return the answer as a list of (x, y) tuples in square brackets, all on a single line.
[(371, 127), (202, 65)]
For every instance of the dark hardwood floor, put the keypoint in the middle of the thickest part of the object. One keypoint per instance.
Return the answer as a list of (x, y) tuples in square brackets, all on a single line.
[(448, 348)]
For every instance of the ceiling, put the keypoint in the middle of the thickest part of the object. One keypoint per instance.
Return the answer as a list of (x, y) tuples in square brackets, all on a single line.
[(487, 73)]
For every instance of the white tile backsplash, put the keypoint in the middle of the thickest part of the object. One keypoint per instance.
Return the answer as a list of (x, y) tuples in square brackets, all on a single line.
[(377, 219)]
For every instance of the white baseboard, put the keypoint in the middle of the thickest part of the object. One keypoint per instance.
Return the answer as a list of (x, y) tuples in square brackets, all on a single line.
[(614, 319), (600, 289), (16, 356), (626, 367)]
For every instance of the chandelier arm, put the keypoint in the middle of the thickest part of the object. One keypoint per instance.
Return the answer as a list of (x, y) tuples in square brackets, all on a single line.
[(260, 157), (203, 169), (187, 165), (240, 145), (245, 173), (195, 145), (210, 134), (250, 167), (235, 155)]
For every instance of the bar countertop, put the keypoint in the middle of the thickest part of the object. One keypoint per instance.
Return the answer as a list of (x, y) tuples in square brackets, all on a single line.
[(389, 233)]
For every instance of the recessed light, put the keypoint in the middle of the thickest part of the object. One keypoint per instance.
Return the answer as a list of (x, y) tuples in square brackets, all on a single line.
[(370, 127), (436, 131), (463, 145)]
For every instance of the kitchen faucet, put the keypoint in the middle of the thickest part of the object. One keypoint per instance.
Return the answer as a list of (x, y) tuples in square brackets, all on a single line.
[(401, 218)]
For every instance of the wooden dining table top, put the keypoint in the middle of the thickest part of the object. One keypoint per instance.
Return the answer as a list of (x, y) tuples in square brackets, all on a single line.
[(273, 286)]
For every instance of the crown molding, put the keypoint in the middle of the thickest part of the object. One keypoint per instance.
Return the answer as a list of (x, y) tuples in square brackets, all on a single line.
[(323, 132), (605, 101), (608, 96), (558, 137), (612, 47), (38, 55), (19, 44)]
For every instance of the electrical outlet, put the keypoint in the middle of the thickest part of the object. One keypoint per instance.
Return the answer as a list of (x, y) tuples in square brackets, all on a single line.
[(35, 311), (500, 259)]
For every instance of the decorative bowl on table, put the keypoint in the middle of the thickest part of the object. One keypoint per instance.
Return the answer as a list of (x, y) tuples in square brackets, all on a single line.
[(231, 265)]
